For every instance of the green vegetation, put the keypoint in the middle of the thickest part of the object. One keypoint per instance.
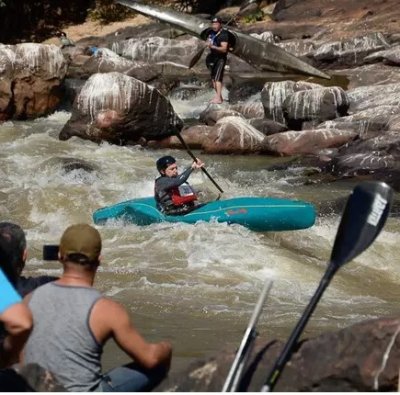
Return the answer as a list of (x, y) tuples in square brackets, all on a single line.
[(256, 17)]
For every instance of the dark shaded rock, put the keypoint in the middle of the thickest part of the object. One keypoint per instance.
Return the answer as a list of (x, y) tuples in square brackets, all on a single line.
[(307, 141), (376, 158), (275, 93), (317, 104), (71, 164), (363, 357), (121, 110), (243, 90), (267, 126)]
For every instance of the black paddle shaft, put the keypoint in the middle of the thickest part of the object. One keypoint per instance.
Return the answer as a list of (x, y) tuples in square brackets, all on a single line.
[(364, 216), (183, 142), (297, 331)]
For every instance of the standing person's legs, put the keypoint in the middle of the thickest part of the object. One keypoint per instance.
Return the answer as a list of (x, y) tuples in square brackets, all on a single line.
[(218, 75), (131, 378)]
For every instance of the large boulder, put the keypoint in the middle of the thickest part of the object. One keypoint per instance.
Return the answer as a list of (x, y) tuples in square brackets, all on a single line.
[(275, 93), (31, 76), (318, 104), (369, 97), (389, 56), (249, 109), (364, 357), (307, 141), (233, 135), (211, 115), (105, 60), (160, 50), (267, 126), (350, 52), (121, 110)]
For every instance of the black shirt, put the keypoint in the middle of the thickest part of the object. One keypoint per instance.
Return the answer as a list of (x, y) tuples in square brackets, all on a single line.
[(217, 39)]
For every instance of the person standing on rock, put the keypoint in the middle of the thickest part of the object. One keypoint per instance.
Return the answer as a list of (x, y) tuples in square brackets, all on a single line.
[(174, 196), (73, 321), (218, 43)]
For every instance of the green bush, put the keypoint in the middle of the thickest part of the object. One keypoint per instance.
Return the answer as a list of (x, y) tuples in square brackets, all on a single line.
[(256, 17)]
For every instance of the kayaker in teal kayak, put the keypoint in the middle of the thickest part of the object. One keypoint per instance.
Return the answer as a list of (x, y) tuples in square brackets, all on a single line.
[(174, 196)]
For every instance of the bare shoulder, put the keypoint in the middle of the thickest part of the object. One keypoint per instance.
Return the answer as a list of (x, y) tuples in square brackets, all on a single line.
[(105, 305)]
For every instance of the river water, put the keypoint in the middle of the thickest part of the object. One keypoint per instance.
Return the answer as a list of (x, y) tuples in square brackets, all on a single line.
[(194, 285)]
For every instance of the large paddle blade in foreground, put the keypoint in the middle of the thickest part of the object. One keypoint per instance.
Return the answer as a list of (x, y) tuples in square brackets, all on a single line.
[(364, 217)]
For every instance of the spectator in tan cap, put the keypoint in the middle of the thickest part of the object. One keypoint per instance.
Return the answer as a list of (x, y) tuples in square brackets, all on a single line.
[(73, 321)]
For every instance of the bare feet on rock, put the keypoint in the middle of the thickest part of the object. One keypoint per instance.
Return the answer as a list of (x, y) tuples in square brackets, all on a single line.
[(216, 100)]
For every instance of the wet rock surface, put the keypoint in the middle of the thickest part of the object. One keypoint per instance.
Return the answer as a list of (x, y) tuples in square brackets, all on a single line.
[(120, 109), (363, 357)]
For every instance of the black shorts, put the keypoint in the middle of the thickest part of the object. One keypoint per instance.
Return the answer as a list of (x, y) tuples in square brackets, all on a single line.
[(217, 66)]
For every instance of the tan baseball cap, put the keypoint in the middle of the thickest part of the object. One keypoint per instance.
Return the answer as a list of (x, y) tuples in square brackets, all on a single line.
[(81, 239)]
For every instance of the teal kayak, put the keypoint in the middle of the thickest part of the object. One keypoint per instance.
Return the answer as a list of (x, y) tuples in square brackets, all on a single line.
[(255, 213)]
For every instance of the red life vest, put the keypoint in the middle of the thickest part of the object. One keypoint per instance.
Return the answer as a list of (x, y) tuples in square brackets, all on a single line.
[(182, 195)]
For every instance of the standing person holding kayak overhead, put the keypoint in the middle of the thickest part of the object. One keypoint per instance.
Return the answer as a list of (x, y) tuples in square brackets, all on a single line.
[(218, 41), (174, 196)]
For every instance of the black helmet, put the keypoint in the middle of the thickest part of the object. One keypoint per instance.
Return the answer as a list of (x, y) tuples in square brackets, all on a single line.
[(164, 162)]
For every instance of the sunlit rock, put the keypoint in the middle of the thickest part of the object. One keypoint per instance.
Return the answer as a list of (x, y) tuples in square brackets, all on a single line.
[(318, 104), (105, 61), (121, 110), (364, 357), (233, 135), (265, 36), (160, 50), (307, 141), (249, 109), (350, 52), (299, 48), (275, 93), (367, 123), (30, 80), (366, 97)]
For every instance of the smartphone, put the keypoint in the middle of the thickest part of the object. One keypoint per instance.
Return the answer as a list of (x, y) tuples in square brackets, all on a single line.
[(50, 252)]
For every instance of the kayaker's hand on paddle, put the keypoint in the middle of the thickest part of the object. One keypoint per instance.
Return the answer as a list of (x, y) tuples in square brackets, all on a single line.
[(197, 164)]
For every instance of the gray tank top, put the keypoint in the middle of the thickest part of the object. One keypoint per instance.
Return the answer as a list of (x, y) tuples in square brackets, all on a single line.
[(61, 340)]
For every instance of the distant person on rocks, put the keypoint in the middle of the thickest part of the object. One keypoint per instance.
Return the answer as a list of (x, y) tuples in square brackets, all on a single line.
[(174, 196), (13, 255), (73, 321), (64, 40), (218, 42)]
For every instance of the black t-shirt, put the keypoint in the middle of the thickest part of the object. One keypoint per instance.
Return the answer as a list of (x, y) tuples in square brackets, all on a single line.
[(218, 38)]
